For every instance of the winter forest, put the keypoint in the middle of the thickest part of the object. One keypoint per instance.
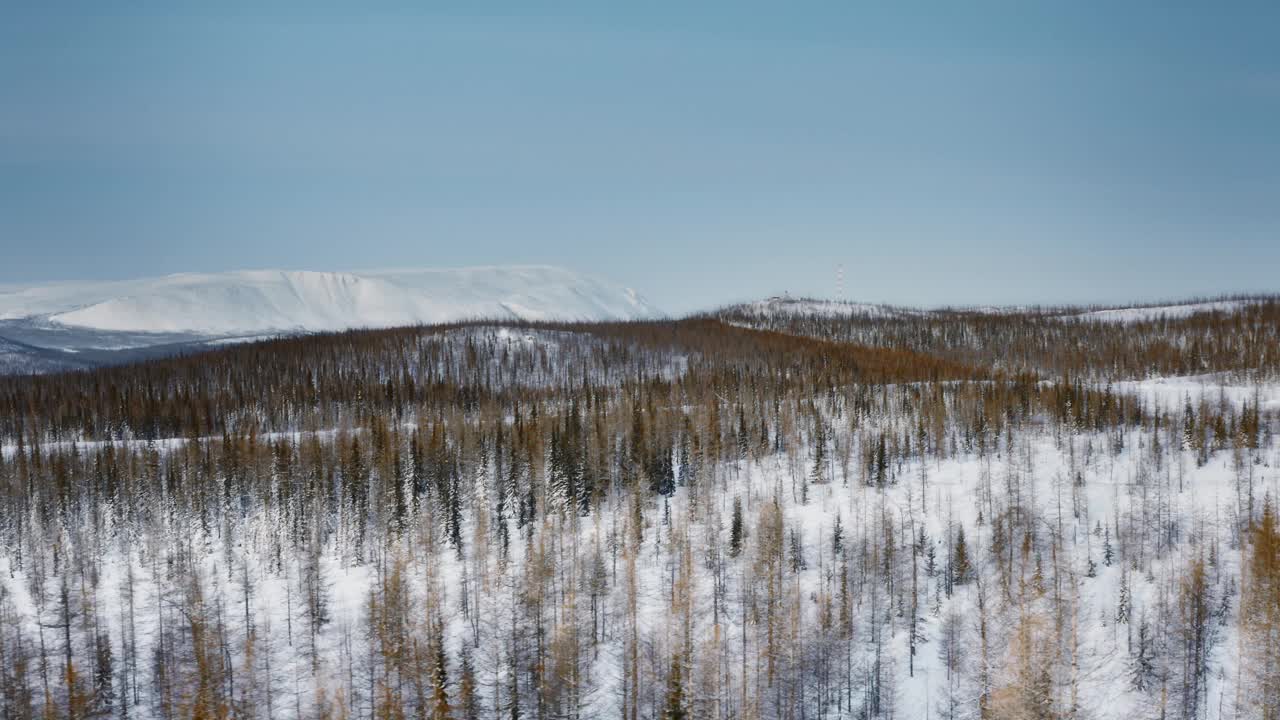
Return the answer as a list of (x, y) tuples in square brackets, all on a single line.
[(795, 510)]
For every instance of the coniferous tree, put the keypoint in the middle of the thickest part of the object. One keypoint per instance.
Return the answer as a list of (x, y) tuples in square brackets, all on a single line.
[(674, 707), (960, 563), (737, 529)]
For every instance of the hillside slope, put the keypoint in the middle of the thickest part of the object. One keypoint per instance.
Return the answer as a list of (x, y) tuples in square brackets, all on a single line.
[(276, 300), (114, 321), (686, 518)]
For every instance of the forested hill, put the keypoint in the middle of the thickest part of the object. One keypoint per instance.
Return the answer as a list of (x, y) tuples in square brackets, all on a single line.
[(747, 515), (319, 381), (1232, 334)]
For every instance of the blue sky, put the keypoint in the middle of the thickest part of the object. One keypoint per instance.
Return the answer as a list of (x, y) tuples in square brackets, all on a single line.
[(979, 152)]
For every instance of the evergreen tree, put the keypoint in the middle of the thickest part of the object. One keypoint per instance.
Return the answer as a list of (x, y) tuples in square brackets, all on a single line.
[(837, 539), (960, 564), (1108, 553), (674, 707), (440, 709), (736, 529), (819, 472)]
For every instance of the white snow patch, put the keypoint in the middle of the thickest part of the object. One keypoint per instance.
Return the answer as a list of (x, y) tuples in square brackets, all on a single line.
[(787, 306), (1171, 312), (1172, 392)]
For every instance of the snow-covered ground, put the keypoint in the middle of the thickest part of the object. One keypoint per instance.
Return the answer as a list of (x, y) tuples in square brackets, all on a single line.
[(783, 306), (1115, 490), (1171, 393), (1157, 312)]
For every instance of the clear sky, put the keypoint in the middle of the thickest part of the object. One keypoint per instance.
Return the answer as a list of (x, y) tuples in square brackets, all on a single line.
[(702, 152)]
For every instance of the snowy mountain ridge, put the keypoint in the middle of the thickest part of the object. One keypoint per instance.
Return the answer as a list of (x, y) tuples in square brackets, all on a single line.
[(261, 301), (785, 306)]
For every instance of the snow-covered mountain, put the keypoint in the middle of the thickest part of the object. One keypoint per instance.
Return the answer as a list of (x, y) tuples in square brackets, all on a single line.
[(64, 326), (261, 301)]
